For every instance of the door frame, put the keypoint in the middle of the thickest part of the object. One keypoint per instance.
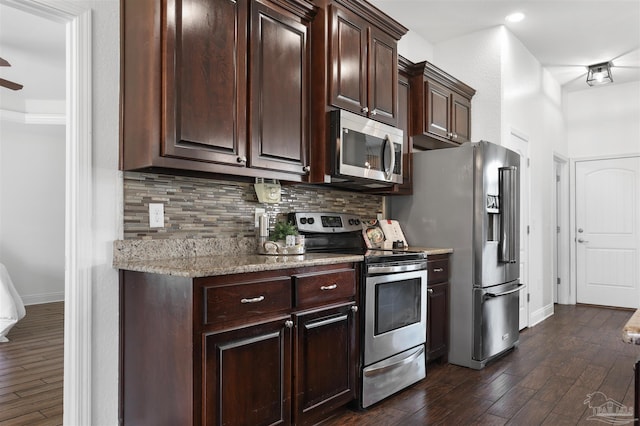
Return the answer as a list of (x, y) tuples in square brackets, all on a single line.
[(78, 202), (562, 245), (572, 216), (525, 279)]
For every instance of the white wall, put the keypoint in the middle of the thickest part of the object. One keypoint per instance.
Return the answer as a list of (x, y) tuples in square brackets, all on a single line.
[(107, 208), (604, 120), (513, 92), (32, 194)]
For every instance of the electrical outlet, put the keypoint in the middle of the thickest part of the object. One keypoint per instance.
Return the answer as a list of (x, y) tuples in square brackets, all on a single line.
[(257, 215), (156, 215)]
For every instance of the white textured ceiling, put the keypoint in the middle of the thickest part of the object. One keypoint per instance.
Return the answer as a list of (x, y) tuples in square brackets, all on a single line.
[(564, 35)]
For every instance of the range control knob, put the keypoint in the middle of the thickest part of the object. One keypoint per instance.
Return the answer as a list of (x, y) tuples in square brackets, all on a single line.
[(357, 221), (351, 221), (303, 220), (310, 221)]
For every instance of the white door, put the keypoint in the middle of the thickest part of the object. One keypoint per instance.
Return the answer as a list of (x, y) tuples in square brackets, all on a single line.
[(520, 145), (607, 232)]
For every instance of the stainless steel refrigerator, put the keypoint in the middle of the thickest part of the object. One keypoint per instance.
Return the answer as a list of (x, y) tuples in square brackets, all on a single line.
[(467, 198)]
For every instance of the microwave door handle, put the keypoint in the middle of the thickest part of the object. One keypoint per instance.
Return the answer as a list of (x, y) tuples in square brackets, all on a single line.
[(388, 167), (508, 209)]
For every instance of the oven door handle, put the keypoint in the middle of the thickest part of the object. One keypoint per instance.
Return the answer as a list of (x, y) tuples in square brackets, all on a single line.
[(396, 268), (505, 292), (386, 368)]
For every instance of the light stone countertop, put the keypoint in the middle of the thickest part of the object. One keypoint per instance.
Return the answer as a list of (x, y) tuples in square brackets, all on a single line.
[(212, 256), (207, 266), (631, 331)]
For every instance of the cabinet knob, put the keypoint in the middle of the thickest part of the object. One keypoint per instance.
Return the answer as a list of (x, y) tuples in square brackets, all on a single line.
[(438, 270), (241, 159), (455, 136), (365, 110), (450, 134), (354, 309), (374, 112), (306, 169), (288, 324), (430, 290)]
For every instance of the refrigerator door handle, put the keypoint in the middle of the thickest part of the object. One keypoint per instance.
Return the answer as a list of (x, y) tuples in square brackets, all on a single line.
[(508, 212), (504, 293)]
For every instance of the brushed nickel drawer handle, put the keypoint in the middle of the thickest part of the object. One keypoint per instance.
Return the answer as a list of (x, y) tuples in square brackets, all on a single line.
[(329, 287), (254, 300), (438, 270)]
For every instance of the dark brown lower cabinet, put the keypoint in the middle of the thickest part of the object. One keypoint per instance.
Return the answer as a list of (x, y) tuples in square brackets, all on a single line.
[(437, 307), (261, 348), (325, 362), (247, 375), (437, 321)]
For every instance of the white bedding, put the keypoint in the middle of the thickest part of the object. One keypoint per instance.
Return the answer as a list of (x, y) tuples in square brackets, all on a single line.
[(11, 306)]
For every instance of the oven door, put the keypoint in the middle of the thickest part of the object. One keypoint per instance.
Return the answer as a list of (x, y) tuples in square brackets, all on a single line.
[(395, 317)]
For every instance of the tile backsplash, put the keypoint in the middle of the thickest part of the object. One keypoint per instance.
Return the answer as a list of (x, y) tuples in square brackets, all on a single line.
[(208, 208)]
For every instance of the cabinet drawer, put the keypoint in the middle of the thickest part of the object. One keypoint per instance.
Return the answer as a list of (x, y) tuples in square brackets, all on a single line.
[(437, 271), (244, 300), (324, 287)]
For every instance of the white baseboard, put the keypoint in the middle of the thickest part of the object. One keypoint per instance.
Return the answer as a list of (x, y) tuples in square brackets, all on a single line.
[(38, 299), (541, 314)]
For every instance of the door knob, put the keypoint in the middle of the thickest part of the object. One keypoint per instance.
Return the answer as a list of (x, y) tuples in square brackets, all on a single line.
[(580, 230), (580, 240)]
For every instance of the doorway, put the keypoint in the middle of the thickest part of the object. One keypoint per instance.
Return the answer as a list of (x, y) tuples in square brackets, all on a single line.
[(607, 231), (78, 202), (518, 142)]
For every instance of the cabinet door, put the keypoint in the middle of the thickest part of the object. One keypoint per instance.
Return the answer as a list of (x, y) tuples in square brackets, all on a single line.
[(383, 77), (325, 362), (348, 66), (437, 111), (437, 320), (204, 64), (460, 118), (279, 101), (247, 375)]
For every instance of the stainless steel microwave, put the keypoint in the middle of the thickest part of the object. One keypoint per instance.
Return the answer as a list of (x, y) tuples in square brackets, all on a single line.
[(365, 150)]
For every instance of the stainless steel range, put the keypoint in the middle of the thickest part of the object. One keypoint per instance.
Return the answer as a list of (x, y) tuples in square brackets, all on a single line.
[(393, 300)]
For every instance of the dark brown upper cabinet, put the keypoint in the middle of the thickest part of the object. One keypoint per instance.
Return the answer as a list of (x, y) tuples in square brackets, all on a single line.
[(224, 90), (354, 67), (363, 67), (441, 108)]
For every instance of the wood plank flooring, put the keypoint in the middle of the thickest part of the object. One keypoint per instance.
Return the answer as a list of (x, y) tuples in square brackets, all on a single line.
[(31, 368), (545, 381)]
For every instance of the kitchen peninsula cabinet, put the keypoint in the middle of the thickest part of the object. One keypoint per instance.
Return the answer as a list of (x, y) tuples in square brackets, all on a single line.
[(441, 109), (437, 307), (271, 347), (224, 90)]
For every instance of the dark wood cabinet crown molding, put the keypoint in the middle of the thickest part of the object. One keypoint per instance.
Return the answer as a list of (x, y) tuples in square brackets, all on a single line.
[(375, 16), (436, 74)]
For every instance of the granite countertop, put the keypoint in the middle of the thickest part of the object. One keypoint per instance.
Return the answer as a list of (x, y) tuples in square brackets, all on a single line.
[(206, 266), (203, 257), (631, 331)]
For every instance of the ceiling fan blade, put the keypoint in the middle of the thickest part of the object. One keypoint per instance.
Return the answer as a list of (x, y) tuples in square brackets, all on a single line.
[(10, 84), (4, 63)]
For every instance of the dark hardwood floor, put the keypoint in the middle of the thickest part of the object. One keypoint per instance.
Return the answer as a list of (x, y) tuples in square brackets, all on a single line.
[(31, 368), (545, 381)]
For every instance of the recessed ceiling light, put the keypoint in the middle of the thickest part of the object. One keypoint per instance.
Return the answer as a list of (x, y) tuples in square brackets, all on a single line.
[(515, 17)]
